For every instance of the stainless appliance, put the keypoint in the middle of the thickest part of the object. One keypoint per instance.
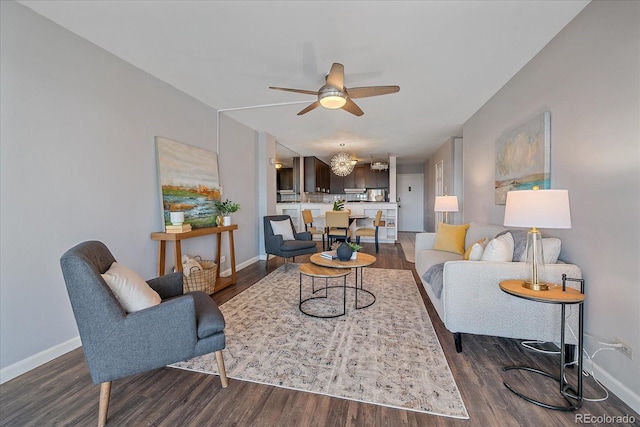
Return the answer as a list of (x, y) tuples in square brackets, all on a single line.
[(377, 195)]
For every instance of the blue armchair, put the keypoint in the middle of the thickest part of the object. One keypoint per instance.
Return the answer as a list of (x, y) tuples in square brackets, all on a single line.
[(275, 244), (118, 344)]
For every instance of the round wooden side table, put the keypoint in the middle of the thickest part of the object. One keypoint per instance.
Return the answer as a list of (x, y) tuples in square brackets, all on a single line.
[(556, 294)]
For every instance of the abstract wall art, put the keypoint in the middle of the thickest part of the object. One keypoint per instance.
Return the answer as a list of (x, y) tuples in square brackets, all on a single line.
[(189, 182), (523, 157)]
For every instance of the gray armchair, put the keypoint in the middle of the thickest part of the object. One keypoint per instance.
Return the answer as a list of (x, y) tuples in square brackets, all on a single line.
[(274, 244), (118, 344)]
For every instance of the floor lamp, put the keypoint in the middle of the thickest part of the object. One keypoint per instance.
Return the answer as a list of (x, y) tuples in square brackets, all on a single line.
[(537, 208), (446, 204)]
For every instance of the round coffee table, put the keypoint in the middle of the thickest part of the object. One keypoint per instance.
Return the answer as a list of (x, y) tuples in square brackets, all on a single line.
[(362, 260)]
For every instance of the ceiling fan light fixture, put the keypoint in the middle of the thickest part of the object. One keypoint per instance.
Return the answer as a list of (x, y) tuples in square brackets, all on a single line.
[(331, 98), (341, 164)]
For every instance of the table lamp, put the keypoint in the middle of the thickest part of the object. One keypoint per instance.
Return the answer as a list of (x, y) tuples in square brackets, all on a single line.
[(537, 208), (446, 204)]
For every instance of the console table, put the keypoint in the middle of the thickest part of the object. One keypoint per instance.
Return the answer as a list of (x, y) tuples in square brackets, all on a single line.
[(176, 238)]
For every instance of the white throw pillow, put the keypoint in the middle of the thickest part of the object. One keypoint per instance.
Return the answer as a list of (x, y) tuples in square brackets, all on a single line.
[(499, 249), (283, 228), (130, 289), (551, 247), (477, 250)]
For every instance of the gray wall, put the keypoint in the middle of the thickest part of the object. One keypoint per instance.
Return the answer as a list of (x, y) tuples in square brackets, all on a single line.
[(587, 77), (78, 163)]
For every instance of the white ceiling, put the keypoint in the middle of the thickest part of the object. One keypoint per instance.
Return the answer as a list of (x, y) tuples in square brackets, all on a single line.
[(448, 57)]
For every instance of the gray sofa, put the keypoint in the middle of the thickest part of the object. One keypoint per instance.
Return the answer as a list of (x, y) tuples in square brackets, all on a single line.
[(472, 302)]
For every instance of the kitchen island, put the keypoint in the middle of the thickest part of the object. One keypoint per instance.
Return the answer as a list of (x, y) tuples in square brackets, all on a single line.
[(387, 233)]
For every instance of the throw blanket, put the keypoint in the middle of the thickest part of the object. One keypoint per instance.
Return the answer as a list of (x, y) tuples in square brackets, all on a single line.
[(433, 276)]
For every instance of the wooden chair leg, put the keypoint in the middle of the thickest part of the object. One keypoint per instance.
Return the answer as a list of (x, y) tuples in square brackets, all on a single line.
[(105, 392), (221, 369)]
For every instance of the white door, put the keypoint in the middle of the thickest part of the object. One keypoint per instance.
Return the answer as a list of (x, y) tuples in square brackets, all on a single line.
[(410, 193)]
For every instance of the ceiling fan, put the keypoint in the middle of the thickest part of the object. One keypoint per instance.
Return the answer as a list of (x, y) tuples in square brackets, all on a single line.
[(335, 95)]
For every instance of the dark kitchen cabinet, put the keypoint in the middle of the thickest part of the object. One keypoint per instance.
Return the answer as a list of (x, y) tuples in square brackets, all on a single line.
[(316, 175), (350, 180), (360, 177), (336, 183), (376, 179), (284, 178)]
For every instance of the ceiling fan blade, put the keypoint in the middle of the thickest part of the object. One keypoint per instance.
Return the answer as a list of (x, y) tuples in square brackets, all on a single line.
[(308, 92), (363, 92), (351, 107), (309, 108), (336, 76)]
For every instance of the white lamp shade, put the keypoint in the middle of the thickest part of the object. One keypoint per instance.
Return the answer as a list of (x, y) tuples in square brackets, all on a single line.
[(538, 208), (446, 204)]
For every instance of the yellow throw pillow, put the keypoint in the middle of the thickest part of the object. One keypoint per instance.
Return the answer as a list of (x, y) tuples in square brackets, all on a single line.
[(450, 238)]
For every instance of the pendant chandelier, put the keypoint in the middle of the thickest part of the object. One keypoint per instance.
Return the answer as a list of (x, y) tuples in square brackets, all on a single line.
[(342, 164)]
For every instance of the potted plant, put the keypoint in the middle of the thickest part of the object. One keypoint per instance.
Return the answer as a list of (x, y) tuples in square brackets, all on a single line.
[(355, 248), (338, 205), (225, 209)]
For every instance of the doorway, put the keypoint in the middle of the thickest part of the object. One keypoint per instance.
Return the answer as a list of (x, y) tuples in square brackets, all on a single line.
[(409, 188)]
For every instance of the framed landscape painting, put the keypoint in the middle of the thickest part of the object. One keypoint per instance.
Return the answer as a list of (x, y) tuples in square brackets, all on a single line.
[(523, 158), (189, 182)]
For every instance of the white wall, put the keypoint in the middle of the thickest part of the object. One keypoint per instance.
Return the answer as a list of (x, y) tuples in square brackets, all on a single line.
[(587, 77), (78, 163)]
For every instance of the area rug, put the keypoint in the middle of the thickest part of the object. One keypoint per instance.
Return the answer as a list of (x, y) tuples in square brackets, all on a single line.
[(386, 354)]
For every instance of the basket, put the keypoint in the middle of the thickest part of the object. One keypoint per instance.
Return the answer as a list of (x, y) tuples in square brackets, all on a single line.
[(201, 280)]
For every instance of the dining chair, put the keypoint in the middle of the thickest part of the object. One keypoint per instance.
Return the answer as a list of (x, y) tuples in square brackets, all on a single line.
[(307, 217), (337, 223), (370, 232)]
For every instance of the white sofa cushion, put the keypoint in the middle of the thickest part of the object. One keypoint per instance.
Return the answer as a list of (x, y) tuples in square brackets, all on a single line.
[(499, 249), (477, 249)]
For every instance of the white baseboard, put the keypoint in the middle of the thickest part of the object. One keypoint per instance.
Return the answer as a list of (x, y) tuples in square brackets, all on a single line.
[(625, 394), (10, 372), (240, 266)]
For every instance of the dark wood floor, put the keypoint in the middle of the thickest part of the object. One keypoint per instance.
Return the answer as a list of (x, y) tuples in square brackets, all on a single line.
[(61, 393)]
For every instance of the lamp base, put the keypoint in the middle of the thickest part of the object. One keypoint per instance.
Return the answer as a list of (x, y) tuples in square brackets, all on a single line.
[(540, 286)]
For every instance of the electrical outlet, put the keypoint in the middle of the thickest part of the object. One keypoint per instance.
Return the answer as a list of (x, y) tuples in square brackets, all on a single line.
[(626, 349), (222, 259)]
